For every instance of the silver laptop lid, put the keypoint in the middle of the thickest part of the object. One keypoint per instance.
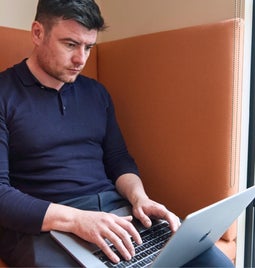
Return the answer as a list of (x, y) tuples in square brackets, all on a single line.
[(201, 229)]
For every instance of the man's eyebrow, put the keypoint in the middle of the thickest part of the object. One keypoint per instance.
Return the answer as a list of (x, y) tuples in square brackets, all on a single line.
[(69, 40), (76, 42), (91, 44)]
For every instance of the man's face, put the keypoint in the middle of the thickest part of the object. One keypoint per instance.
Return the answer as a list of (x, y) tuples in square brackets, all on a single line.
[(62, 52)]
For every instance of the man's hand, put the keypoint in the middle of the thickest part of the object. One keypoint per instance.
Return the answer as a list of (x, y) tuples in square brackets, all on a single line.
[(95, 227), (130, 186), (146, 209)]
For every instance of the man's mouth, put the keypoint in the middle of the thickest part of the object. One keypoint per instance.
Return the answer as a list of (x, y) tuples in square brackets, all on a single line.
[(74, 70)]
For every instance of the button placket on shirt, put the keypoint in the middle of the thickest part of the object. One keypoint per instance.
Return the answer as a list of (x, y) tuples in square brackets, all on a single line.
[(63, 102)]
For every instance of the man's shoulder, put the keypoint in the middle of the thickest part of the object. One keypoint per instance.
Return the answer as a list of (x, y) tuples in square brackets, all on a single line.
[(7, 78), (10, 81), (10, 71), (92, 88), (7, 72), (84, 81)]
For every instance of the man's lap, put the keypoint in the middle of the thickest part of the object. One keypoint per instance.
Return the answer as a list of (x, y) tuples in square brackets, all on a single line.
[(42, 251), (22, 250)]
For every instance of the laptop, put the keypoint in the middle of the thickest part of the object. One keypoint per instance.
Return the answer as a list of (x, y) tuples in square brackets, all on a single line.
[(197, 233)]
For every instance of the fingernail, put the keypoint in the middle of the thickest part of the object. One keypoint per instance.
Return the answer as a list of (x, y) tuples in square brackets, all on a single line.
[(128, 257), (116, 259), (148, 223), (140, 241)]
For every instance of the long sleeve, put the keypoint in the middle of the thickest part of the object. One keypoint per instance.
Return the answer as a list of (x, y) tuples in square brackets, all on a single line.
[(18, 211), (117, 159)]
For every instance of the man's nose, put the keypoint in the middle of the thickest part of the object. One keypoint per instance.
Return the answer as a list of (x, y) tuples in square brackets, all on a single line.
[(80, 56)]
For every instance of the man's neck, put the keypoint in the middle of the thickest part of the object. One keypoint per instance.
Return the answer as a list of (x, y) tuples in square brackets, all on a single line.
[(41, 76)]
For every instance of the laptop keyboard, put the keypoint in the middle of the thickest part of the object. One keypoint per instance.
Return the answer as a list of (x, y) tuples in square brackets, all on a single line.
[(153, 239)]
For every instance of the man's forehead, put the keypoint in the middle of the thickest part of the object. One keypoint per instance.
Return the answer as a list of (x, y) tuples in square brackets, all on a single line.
[(74, 30)]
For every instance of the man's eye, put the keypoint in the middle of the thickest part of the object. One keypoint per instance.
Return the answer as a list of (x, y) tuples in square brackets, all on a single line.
[(70, 45), (87, 48)]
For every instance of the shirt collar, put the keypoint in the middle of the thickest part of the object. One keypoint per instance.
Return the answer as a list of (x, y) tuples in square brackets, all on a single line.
[(24, 74), (28, 79)]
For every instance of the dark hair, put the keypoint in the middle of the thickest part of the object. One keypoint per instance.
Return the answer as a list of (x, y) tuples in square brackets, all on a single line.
[(85, 12)]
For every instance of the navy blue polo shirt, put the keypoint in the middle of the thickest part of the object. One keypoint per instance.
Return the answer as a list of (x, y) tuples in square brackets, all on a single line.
[(54, 145)]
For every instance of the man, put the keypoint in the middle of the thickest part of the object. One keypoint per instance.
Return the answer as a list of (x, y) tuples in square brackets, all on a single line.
[(63, 161)]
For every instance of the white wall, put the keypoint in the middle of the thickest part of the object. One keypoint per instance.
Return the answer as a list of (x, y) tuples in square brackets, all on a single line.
[(17, 13), (133, 17)]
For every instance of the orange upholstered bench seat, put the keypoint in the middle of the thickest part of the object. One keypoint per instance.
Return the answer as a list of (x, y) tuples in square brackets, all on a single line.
[(178, 105)]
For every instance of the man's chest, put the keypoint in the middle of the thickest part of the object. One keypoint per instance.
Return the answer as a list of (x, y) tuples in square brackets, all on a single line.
[(40, 125)]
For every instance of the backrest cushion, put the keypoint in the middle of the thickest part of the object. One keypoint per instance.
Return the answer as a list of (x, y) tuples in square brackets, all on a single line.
[(179, 108)]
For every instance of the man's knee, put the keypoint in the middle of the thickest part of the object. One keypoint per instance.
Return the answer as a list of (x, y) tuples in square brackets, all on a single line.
[(213, 257)]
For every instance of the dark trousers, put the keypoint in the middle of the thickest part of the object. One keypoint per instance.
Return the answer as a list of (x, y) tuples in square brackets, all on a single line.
[(20, 250)]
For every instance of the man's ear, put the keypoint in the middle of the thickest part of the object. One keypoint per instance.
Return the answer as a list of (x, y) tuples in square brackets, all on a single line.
[(37, 32)]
